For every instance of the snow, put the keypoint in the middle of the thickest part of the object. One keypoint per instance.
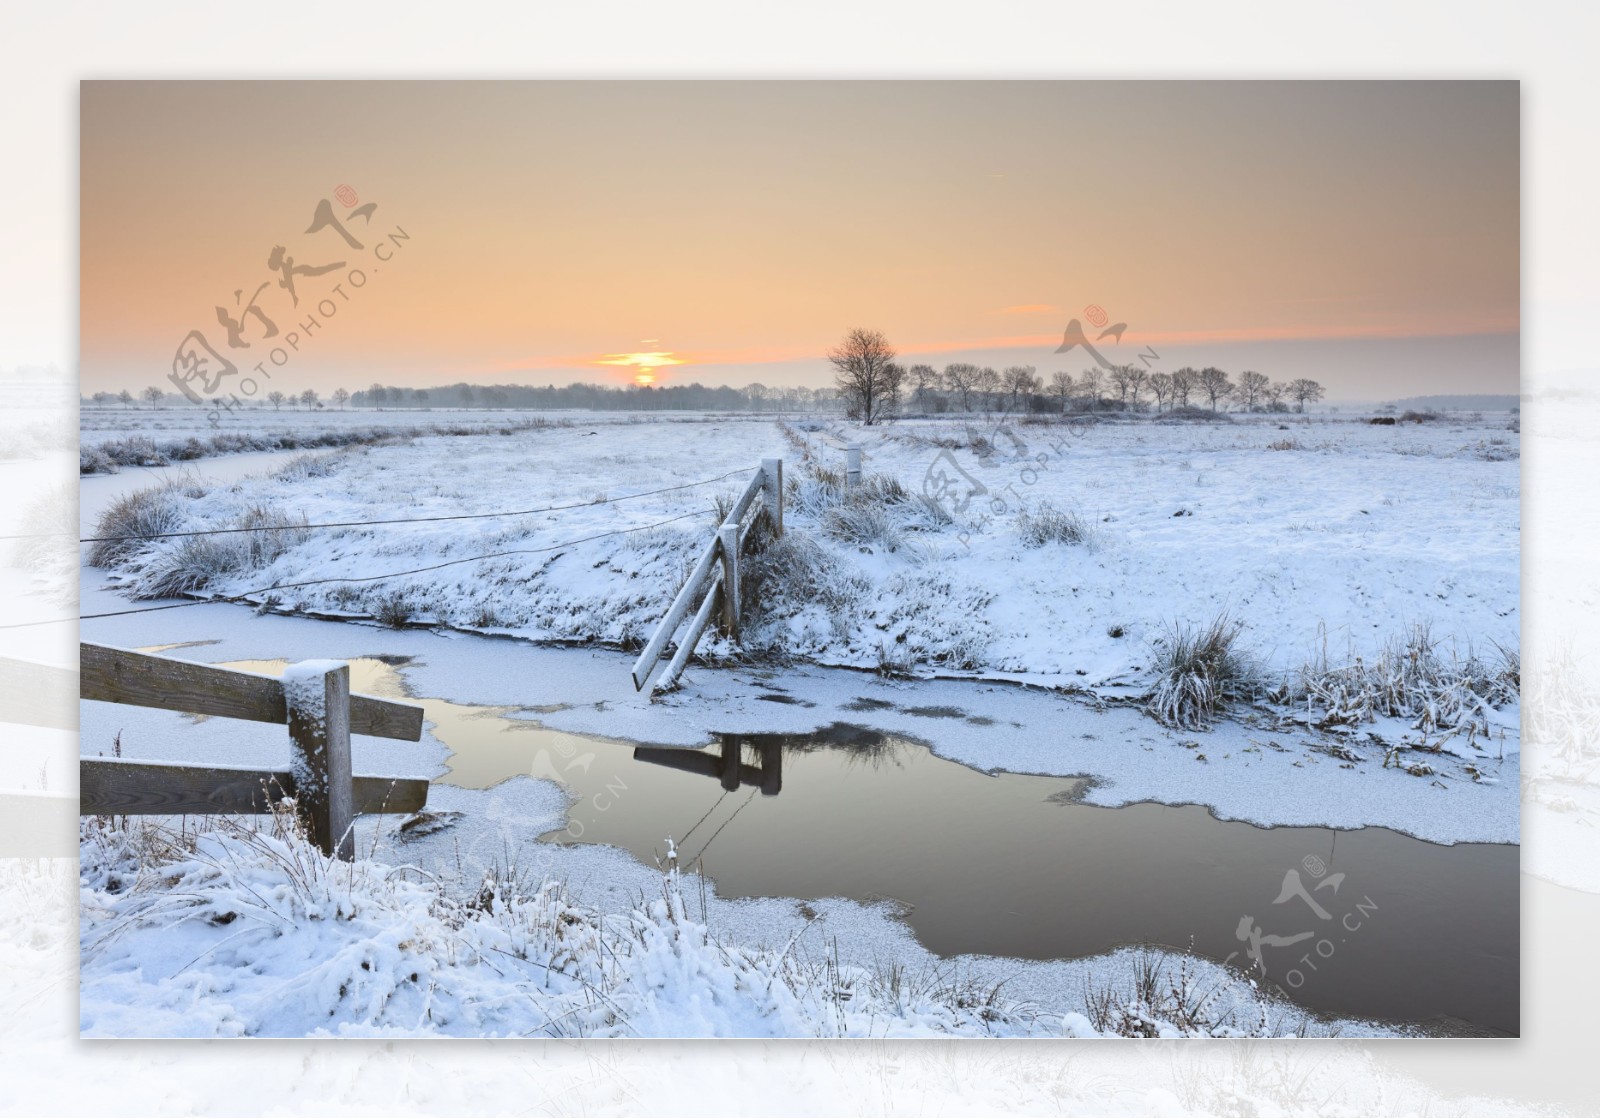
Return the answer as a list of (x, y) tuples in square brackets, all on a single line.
[(242, 931), (611, 589), (1327, 550), (1333, 548)]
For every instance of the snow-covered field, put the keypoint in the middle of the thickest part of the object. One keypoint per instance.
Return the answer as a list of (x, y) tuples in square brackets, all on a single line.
[(1328, 547), (1344, 540), (98, 423)]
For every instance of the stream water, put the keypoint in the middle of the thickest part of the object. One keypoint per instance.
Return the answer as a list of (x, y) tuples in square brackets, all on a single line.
[(1364, 923)]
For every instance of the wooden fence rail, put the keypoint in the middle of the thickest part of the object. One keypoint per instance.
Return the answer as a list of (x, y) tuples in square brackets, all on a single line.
[(313, 699), (713, 582)]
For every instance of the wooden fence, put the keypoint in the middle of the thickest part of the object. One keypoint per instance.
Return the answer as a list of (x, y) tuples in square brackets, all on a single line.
[(713, 582), (321, 715)]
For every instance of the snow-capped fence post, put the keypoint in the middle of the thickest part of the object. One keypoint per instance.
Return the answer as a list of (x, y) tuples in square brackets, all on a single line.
[(772, 475), (317, 695), (729, 547), (313, 699), (852, 466)]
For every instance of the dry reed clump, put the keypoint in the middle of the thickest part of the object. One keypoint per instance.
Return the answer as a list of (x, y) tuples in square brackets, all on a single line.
[(1411, 678)]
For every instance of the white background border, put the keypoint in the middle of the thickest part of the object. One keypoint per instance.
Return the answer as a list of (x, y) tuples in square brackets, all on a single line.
[(46, 49)]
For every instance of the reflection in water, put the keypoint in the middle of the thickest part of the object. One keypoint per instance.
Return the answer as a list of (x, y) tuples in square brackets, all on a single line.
[(1358, 923)]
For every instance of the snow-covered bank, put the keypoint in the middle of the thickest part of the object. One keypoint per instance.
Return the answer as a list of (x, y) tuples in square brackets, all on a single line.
[(1326, 550), (223, 929)]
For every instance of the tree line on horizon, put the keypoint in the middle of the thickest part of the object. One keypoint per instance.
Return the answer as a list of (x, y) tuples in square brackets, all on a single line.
[(874, 386), (869, 385)]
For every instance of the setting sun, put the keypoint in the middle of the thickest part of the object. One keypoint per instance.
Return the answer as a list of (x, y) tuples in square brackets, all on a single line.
[(644, 365)]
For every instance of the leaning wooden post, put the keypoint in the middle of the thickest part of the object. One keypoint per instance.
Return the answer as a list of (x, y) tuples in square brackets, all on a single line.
[(773, 469), (317, 695), (729, 539), (852, 466)]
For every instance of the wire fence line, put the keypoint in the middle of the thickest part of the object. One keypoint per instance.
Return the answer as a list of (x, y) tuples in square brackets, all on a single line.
[(385, 521), (246, 597)]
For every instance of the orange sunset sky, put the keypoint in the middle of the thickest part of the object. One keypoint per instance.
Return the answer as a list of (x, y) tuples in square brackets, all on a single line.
[(1366, 234)]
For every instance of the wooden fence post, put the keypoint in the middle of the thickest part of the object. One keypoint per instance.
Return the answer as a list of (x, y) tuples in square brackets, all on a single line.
[(773, 469), (732, 770), (852, 466), (318, 702), (729, 536)]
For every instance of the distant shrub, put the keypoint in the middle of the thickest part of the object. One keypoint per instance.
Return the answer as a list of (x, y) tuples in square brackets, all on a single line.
[(1385, 421), (1286, 445), (139, 450), (1188, 413), (1410, 416)]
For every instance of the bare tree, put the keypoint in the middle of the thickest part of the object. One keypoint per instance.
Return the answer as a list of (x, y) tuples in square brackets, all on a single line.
[(1090, 383), (1020, 382), (1304, 391), (1215, 384), (152, 396), (1183, 383), (1118, 376), (1252, 389), (340, 396), (1138, 379), (961, 378), (1161, 386), (924, 382), (309, 398), (126, 397), (1274, 392), (276, 398), (864, 369), (1061, 385), (986, 384)]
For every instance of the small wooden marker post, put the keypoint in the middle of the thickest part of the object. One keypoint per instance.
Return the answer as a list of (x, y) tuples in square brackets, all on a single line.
[(319, 732), (852, 466), (772, 470), (729, 538)]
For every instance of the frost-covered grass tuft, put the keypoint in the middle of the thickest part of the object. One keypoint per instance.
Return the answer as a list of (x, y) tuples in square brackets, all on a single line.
[(1048, 525), (862, 523), (195, 562), (1169, 995), (795, 571), (131, 521), (1200, 670)]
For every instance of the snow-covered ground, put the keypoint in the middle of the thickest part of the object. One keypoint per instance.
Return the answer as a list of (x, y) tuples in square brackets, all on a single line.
[(98, 423), (1345, 540), (1355, 531), (230, 930)]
